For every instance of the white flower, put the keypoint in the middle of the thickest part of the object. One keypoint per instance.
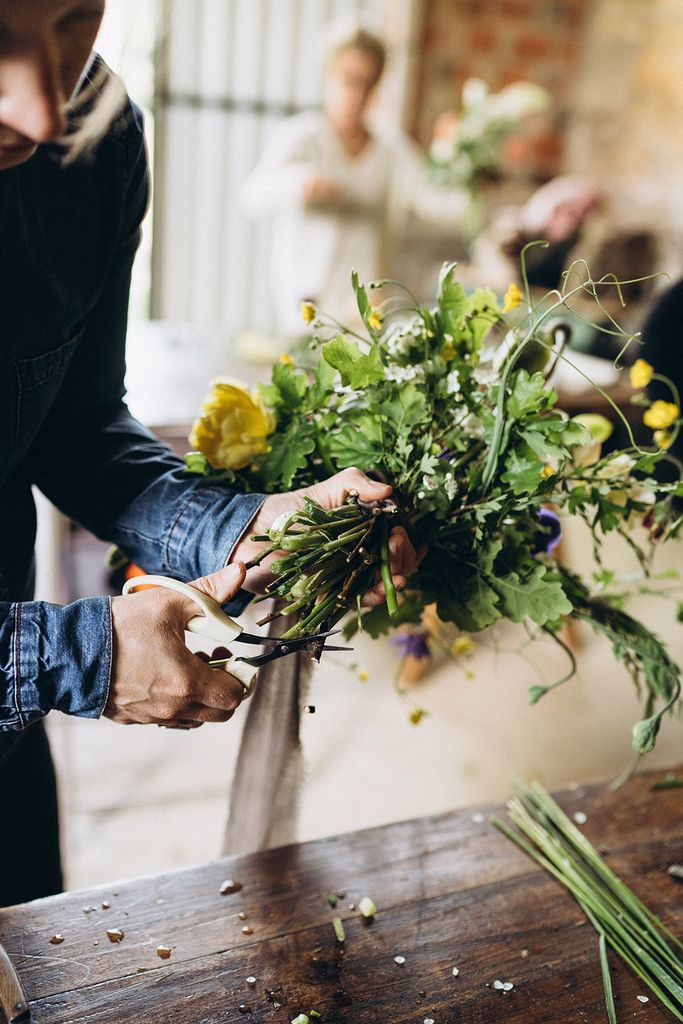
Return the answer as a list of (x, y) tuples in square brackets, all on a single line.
[(472, 426), (403, 337), (474, 91), (643, 495), (586, 454), (485, 375), (620, 465), (452, 383), (450, 486), (442, 150), (520, 99), (401, 374)]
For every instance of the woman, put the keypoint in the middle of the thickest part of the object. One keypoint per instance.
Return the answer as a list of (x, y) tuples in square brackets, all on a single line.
[(335, 190), (68, 234)]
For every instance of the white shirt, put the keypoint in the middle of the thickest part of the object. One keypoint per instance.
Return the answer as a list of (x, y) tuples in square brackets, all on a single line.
[(314, 250)]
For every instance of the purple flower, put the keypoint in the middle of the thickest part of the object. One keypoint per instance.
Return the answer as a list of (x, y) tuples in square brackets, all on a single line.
[(414, 644), (550, 533)]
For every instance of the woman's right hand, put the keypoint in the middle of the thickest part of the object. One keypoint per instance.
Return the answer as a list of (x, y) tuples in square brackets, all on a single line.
[(320, 192), (155, 678)]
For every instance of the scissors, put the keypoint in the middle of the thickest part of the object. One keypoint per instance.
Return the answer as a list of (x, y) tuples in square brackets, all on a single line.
[(213, 627)]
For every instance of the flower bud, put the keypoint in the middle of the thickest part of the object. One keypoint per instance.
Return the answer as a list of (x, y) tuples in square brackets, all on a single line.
[(645, 734)]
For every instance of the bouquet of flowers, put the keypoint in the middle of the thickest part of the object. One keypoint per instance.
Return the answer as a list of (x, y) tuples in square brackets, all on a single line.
[(452, 405), (468, 145)]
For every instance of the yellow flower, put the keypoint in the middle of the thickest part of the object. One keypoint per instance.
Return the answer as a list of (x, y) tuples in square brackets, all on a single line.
[(660, 415), (375, 320), (416, 715), (463, 646), (513, 297), (663, 439), (640, 374), (286, 359), (363, 675), (547, 471), (233, 427), (308, 312)]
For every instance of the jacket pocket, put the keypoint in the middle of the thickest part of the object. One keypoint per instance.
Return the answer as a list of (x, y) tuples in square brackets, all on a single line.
[(38, 383)]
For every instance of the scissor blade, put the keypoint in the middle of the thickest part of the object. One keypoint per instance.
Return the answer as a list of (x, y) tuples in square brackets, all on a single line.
[(301, 641), (326, 649), (286, 648)]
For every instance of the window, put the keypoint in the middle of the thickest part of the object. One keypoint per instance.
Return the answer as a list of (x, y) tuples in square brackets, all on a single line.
[(229, 70)]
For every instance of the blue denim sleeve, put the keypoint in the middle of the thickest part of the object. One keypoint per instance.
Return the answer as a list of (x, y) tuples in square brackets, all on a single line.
[(101, 467), (105, 470), (41, 668)]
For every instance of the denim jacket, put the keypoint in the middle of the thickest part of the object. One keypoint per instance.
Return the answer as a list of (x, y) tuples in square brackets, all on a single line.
[(68, 236)]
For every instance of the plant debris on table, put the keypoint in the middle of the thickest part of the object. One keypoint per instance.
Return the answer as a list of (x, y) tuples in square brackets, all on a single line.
[(623, 922)]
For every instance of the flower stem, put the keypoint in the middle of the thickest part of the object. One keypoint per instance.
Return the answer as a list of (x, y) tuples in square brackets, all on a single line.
[(385, 570)]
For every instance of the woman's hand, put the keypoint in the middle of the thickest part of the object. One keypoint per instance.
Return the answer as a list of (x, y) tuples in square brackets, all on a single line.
[(404, 559), (155, 678), (320, 192)]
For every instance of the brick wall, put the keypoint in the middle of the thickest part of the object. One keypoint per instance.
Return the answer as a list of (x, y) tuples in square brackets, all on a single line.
[(615, 71), (502, 41), (626, 128)]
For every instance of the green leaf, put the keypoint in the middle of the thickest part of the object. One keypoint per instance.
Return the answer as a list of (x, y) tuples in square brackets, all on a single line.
[(546, 450), (529, 395), (482, 313), (452, 300), (467, 318), (537, 596), (406, 410), (356, 369), (350, 446), (323, 385), (378, 622), (197, 462), (535, 693), (289, 454), (476, 609), (523, 474), (370, 426), (286, 390), (364, 305)]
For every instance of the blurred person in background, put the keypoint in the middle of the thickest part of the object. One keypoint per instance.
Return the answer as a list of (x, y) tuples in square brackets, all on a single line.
[(336, 189), (572, 215), (559, 212), (73, 193)]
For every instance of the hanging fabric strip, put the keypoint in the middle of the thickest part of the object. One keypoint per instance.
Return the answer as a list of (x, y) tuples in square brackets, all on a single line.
[(264, 801)]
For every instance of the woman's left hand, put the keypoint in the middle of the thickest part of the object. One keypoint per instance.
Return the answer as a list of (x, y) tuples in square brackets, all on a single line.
[(404, 559)]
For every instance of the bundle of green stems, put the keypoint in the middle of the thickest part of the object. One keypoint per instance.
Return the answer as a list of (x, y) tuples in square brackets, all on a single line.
[(328, 559), (622, 921)]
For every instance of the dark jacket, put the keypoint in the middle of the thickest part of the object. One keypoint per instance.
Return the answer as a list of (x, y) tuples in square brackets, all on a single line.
[(68, 236)]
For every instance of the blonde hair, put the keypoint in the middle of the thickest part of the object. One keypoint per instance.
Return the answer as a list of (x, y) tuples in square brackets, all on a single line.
[(359, 38), (91, 112)]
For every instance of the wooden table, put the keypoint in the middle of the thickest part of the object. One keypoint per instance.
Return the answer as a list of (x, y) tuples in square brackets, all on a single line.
[(451, 892)]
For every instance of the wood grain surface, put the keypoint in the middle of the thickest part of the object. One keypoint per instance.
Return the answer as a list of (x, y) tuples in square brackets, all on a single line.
[(450, 891)]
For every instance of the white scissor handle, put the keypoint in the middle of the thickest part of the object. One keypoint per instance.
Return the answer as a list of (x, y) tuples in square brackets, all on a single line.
[(213, 624)]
